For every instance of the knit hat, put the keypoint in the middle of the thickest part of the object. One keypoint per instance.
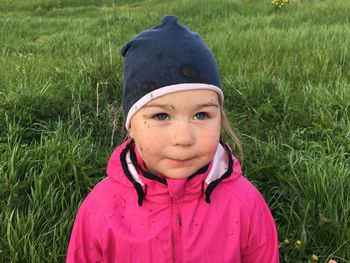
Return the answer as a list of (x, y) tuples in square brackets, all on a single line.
[(164, 59)]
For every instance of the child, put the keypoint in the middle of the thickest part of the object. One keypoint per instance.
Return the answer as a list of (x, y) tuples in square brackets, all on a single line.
[(174, 191)]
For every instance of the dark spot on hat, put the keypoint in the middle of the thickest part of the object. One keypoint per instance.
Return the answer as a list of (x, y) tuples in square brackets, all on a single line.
[(189, 71), (133, 92), (132, 74), (148, 86), (130, 95), (167, 76), (160, 56)]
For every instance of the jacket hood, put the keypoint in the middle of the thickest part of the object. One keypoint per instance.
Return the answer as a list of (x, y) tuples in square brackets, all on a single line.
[(126, 167)]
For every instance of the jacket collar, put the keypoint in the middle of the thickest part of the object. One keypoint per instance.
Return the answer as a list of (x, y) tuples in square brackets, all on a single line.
[(158, 189)]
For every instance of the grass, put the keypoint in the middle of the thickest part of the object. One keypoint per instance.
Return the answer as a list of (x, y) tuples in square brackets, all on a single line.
[(286, 78)]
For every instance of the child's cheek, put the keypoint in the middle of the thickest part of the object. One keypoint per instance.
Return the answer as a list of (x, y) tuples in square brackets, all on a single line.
[(141, 150), (146, 125), (211, 142), (147, 147)]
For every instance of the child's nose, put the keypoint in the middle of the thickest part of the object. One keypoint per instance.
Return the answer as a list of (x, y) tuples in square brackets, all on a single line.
[(183, 134)]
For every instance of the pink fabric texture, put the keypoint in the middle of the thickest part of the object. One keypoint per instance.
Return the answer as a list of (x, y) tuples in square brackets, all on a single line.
[(174, 222)]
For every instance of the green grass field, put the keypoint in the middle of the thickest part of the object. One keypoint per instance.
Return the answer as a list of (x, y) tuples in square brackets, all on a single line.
[(286, 76)]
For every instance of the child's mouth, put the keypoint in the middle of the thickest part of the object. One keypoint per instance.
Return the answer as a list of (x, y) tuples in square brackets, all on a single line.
[(181, 161)]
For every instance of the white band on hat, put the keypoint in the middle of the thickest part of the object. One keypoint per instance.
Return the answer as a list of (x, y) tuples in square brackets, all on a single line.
[(166, 90)]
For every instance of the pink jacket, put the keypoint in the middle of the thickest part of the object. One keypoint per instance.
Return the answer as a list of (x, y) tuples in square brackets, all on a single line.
[(215, 215)]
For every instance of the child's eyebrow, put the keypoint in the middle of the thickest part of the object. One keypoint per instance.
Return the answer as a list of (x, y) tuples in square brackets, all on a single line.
[(171, 107), (209, 104), (162, 106)]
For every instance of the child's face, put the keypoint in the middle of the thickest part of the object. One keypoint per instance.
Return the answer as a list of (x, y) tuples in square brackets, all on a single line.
[(178, 133)]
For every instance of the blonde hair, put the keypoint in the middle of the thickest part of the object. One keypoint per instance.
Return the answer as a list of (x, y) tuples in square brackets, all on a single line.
[(229, 131)]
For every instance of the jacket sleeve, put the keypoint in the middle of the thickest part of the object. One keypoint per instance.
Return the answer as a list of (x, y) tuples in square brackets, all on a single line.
[(262, 243), (83, 245)]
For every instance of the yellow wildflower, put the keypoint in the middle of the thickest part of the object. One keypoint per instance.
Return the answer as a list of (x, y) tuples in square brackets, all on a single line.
[(298, 243), (286, 242), (314, 258)]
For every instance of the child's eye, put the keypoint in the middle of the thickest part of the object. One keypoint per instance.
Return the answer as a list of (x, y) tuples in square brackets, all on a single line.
[(160, 117), (201, 116)]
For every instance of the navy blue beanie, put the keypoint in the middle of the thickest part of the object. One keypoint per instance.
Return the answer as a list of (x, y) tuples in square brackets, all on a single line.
[(164, 59)]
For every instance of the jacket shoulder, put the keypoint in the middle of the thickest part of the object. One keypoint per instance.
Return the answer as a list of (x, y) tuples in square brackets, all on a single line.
[(84, 244), (103, 195), (241, 190), (258, 232)]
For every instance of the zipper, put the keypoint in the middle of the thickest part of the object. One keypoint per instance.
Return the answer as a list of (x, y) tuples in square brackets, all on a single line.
[(176, 230)]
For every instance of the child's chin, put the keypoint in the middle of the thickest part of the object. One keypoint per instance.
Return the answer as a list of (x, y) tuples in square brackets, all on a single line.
[(179, 174)]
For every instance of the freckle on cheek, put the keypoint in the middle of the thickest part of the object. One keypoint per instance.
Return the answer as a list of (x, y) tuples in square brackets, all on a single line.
[(146, 124)]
